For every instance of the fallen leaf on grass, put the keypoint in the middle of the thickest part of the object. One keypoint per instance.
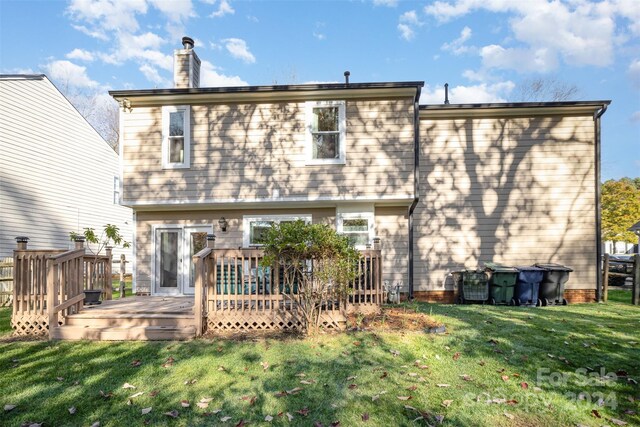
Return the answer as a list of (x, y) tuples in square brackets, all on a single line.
[(412, 388), (307, 382), (140, 393), (353, 386), (265, 365), (301, 375), (466, 377), (169, 362), (184, 403), (241, 423), (618, 422), (595, 413), (8, 408), (96, 424), (127, 385), (60, 378), (189, 382), (206, 399), (222, 368), (351, 378), (295, 390), (446, 403), (456, 356), (172, 414), (505, 378), (395, 353), (145, 411), (268, 418), (482, 363), (225, 419), (365, 417), (154, 393), (508, 415), (250, 399), (72, 410), (443, 385), (136, 363), (384, 375), (106, 395), (405, 397), (202, 405), (304, 412), (524, 385), (290, 416)]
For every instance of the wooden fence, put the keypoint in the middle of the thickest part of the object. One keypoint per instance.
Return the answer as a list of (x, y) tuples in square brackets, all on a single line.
[(629, 269), (6, 281), (55, 279), (233, 291)]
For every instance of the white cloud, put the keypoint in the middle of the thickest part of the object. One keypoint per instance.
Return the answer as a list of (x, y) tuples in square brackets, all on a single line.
[(209, 77), (635, 117), (406, 32), (457, 46), (69, 74), (81, 54), (475, 94), (634, 73), (387, 3), (96, 34), (223, 9), (152, 74), (252, 18), (540, 60), (552, 29), (319, 36), (407, 23), (108, 14), (239, 50), (175, 10)]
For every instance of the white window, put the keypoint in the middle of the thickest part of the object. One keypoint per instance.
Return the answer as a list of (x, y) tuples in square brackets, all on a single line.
[(358, 226), (176, 137), (326, 130), (116, 190), (254, 226)]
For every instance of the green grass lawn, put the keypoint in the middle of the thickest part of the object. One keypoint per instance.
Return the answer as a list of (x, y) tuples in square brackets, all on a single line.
[(497, 366)]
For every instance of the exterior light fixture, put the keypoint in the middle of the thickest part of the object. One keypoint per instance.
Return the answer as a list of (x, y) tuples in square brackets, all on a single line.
[(222, 222)]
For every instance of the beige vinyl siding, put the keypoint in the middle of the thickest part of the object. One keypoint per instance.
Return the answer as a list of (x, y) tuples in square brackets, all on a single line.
[(56, 172), (257, 151), (508, 190), (392, 226), (232, 238)]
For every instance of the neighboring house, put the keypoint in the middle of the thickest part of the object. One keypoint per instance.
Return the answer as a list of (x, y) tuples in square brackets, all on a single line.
[(611, 247), (57, 174), (444, 186), (636, 229)]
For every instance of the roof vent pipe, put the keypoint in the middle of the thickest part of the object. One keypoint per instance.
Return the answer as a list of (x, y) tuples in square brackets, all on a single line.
[(346, 77), (446, 93), (187, 42)]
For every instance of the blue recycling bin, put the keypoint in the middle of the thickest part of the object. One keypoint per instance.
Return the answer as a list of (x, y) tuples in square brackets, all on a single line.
[(528, 286)]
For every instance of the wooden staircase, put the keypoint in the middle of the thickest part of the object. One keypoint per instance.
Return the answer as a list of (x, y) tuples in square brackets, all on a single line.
[(128, 322)]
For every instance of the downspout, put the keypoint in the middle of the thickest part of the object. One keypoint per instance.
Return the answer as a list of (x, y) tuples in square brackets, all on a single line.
[(596, 119), (416, 181)]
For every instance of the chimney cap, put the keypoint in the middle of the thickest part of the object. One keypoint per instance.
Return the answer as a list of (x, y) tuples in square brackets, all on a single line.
[(187, 42)]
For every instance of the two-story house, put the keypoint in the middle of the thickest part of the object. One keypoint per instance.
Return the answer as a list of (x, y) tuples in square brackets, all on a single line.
[(442, 186)]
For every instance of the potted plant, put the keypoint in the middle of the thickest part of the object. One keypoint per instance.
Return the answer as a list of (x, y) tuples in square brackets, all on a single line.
[(108, 238)]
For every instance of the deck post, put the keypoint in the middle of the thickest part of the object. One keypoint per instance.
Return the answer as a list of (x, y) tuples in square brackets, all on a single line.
[(108, 279), (605, 279), (51, 296), (123, 270)]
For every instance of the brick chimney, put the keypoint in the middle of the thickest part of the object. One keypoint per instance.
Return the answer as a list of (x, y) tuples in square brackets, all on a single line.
[(186, 66)]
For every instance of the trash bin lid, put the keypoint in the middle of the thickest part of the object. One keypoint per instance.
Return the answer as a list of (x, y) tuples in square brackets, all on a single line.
[(499, 268), (554, 267), (529, 268)]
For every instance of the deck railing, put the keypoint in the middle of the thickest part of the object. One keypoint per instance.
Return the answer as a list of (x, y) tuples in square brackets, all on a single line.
[(233, 291), (50, 284)]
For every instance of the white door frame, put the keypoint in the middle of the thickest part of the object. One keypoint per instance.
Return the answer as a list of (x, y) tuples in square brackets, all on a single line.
[(184, 260), (187, 289)]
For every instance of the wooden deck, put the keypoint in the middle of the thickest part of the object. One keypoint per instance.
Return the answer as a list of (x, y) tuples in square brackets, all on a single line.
[(134, 318)]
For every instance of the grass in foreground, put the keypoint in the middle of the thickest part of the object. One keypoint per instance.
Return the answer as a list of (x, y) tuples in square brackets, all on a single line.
[(497, 366)]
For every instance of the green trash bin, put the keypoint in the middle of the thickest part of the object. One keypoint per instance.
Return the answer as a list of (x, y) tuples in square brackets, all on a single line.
[(502, 283)]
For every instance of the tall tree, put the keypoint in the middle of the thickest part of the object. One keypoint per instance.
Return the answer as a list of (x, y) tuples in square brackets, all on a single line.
[(620, 209), (549, 89)]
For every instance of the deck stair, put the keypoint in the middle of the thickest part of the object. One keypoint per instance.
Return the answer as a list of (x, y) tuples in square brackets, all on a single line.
[(137, 318)]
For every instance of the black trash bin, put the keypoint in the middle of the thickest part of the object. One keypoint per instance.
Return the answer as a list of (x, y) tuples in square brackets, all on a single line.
[(501, 283), (528, 286), (473, 286), (552, 287)]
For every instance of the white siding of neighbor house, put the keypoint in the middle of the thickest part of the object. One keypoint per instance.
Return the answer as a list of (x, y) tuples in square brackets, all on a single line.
[(512, 190), (56, 172)]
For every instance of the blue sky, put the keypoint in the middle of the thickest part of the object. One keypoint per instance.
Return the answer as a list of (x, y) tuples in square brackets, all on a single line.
[(485, 49)]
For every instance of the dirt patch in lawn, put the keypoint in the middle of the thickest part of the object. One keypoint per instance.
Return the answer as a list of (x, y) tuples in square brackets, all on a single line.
[(394, 319)]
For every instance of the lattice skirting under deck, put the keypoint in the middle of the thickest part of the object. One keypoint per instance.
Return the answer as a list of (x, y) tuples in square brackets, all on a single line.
[(30, 324), (272, 321)]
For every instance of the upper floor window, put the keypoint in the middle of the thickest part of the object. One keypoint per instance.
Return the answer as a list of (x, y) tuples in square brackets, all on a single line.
[(326, 130), (176, 140)]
